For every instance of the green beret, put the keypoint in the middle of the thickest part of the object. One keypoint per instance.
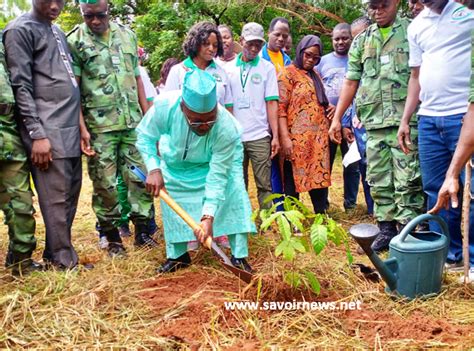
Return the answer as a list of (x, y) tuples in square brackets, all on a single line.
[(88, 1)]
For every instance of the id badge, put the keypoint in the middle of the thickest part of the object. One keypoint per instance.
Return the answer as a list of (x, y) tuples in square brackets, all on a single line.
[(384, 59), (116, 61), (243, 103)]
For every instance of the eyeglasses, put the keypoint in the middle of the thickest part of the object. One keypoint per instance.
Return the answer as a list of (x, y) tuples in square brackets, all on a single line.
[(99, 15), (308, 56), (199, 124)]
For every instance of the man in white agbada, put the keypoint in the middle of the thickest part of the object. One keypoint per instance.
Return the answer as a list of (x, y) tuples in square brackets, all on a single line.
[(199, 164)]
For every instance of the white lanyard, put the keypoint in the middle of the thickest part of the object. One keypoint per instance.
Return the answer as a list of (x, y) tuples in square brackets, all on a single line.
[(64, 57)]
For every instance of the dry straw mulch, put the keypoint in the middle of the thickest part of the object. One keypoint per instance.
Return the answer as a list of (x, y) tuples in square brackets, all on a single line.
[(123, 303)]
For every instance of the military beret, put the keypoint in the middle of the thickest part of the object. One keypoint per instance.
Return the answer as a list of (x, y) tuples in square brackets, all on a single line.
[(88, 1)]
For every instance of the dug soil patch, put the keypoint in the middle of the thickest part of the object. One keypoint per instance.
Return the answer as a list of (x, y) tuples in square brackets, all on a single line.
[(387, 326), (184, 302)]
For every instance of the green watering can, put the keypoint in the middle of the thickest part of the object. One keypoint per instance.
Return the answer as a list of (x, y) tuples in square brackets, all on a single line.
[(416, 259)]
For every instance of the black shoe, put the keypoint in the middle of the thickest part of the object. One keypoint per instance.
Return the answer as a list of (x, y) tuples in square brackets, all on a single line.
[(388, 230), (173, 264), (241, 263), (144, 240), (116, 250), (22, 264)]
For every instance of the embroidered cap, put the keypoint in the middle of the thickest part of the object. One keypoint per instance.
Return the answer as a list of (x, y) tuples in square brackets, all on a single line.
[(199, 91)]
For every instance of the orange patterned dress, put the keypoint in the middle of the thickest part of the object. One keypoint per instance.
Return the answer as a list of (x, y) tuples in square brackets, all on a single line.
[(307, 127)]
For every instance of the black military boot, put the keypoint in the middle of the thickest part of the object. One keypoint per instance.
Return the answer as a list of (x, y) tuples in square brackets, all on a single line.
[(115, 247), (173, 264), (21, 263), (388, 230), (143, 237)]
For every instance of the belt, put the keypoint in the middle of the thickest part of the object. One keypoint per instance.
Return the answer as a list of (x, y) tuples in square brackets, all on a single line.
[(6, 109)]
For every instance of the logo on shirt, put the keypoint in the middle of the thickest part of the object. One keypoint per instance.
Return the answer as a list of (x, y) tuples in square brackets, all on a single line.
[(256, 78), (461, 13), (217, 77)]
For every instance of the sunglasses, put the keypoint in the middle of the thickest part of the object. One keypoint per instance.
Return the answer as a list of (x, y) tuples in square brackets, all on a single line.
[(99, 15)]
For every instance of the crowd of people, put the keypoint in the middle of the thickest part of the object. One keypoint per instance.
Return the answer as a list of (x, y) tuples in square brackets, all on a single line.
[(394, 90)]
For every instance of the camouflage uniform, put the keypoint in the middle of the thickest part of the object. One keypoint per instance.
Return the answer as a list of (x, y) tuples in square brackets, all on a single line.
[(382, 68), (109, 94), (15, 192)]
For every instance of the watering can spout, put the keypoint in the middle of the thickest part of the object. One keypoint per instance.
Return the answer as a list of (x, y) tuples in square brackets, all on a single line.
[(365, 235)]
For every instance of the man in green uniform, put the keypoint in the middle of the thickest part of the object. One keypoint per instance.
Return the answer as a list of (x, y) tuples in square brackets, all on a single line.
[(378, 73), (15, 192), (106, 67)]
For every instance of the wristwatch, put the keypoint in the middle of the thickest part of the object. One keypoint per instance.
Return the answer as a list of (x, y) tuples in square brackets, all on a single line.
[(207, 217)]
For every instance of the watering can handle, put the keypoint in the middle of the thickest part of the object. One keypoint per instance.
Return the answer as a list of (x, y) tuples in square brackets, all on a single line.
[(424, 218)]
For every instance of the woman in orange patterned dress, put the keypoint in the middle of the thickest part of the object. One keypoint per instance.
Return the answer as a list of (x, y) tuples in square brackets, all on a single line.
[(304, 126)]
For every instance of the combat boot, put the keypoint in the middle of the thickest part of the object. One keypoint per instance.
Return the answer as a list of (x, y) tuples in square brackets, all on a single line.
[(115, 247), (388, 230), (143, 238), (21, 263)]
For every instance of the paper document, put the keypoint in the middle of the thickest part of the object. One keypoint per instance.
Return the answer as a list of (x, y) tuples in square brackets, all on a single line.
[(352, 155)]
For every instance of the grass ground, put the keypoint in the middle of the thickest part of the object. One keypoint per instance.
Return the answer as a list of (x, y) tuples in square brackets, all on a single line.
[(123, 303)]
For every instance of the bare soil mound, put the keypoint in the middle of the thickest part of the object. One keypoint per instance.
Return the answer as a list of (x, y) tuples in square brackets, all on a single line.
[(184, 302)]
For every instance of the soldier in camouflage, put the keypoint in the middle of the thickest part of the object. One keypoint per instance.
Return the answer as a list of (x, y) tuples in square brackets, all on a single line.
[(106, 66), (15, 192), (378, 73)]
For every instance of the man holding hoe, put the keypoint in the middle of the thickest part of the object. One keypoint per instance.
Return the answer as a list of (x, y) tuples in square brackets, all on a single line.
[(199, 161)]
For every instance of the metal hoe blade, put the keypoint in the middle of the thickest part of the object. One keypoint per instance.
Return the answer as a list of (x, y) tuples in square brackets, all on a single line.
[(227, 264)]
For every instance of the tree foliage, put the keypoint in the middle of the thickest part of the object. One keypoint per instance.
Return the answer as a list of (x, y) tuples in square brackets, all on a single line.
[(161, 25)]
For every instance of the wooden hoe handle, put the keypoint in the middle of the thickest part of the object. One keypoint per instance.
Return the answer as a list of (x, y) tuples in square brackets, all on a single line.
[(184, 215)]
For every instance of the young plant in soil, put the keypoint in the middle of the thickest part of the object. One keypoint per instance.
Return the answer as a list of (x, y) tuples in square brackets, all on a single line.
[(302, 232)]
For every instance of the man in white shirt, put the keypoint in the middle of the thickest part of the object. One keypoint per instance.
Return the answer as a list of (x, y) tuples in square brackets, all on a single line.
[(440, 61), (254, 88)]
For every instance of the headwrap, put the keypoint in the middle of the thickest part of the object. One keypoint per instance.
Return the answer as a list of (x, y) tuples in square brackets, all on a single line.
[(307, 42)]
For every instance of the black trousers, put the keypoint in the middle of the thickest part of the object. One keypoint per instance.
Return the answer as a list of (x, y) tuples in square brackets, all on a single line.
[(318, 196), (58, 194)]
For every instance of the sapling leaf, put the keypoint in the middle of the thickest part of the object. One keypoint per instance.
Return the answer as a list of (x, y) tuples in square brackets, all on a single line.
[(305, 210), (318, 218), (264, 214), (289, 252), (319, 237), (268, 221), (334, 233), (295, 217), (293, 279), (340, 234), (331, 224), (349, 256), (313, 282), (297, 245), (281, 246), (274, 206), (283, 226), (272, 197), (254, 216), (287, 204)]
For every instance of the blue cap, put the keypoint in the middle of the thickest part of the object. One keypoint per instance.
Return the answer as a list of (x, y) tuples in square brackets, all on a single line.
[(199, 91)]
